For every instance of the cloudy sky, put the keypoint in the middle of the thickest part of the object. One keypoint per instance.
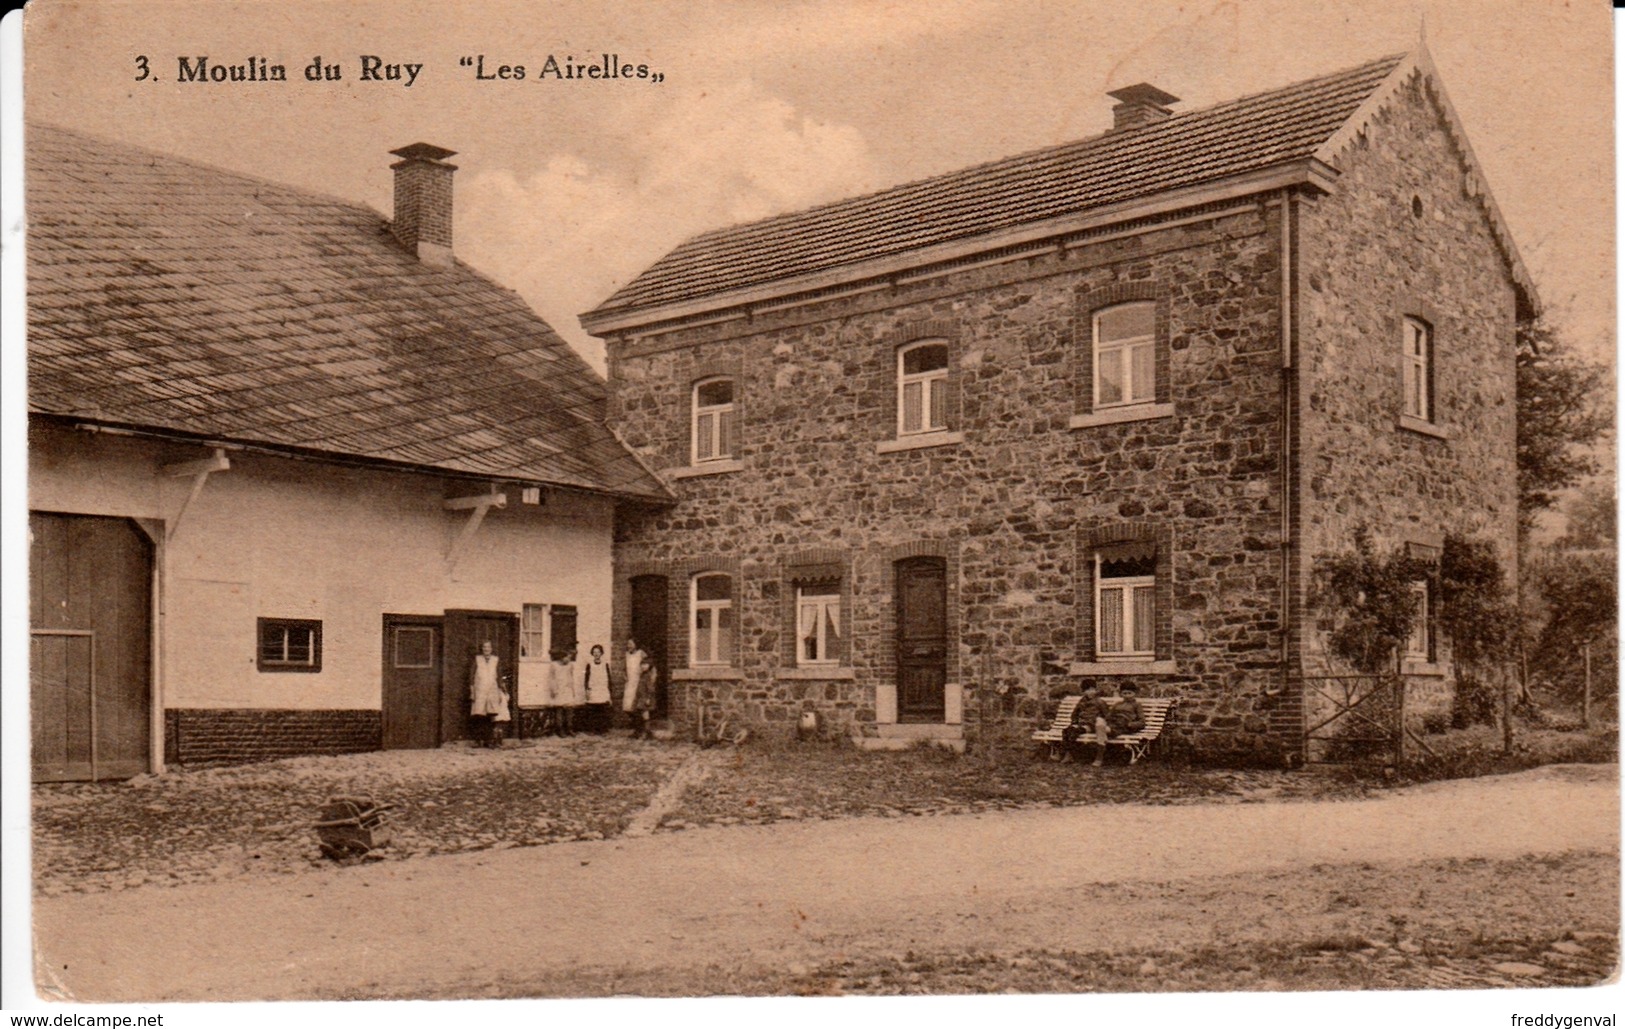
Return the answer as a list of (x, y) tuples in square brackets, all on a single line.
[(567, 189)]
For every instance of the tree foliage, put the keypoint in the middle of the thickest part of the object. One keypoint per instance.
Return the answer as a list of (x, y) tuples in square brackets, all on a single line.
[(1579, 595), (1561, 412), (1476, 610), (1593, 518), (1371, 602)]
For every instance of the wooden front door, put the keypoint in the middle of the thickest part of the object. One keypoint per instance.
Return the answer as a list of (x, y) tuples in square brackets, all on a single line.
[(90, 649), (649, 620), (465, 631), (922, 639), (413, 651)]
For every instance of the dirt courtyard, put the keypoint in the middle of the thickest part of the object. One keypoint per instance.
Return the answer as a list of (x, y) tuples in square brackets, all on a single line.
[(1469, 882)]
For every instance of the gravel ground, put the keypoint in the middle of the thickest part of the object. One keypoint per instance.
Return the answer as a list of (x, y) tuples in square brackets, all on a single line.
[(223, 823), (758, 784), (1487, 876)]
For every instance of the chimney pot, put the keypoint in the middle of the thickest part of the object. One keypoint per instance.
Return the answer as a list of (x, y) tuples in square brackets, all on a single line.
[(422, 220), (1140, 104)]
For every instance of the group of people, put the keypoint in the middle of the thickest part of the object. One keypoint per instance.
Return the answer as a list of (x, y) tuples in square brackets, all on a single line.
[(1099, 718), (578, 697)]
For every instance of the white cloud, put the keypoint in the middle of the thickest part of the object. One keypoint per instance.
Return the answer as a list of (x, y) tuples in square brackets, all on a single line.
[(567, 235)]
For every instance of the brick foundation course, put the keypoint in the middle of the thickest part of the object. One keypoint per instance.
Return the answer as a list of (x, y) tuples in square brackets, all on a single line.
[(208, 736)]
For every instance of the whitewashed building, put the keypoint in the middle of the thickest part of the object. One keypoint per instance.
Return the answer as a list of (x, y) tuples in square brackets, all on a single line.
[(290, 463)]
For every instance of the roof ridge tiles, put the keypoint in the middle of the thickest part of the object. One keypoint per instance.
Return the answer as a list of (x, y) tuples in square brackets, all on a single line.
[(1057, 149), (1286, 123)]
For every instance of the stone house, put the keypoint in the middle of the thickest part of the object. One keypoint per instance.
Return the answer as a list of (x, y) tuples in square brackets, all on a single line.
[(1087, 415), (290, 462)]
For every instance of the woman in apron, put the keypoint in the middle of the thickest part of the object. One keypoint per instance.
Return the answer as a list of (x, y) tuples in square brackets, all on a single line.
[(488, 704)]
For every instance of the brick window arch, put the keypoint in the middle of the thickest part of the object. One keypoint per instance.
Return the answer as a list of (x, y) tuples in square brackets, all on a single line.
[(921, 351), (713, 421), (817, 609), (1123, 356), (1125, 592), (712, 619)]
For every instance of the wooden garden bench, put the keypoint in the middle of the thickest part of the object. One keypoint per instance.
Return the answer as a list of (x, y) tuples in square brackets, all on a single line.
[(1137, 744)]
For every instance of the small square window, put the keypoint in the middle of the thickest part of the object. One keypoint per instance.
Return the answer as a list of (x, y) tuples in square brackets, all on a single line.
[(414, 646), (289, 645)]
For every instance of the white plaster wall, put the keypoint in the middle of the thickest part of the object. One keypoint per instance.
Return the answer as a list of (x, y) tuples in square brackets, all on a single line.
[(294, 539)]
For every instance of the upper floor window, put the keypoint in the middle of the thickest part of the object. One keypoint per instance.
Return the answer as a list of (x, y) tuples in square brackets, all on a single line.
[(818, 623), (711, 641), (1125, 606), (713, 420), (1417, 369), (922, 388), (1125, 354)]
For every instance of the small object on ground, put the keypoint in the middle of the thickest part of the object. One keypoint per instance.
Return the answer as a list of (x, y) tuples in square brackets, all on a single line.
[(351, 827)]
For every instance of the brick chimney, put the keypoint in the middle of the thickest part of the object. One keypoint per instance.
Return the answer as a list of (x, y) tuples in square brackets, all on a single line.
[(423, 202), (1141, 104)]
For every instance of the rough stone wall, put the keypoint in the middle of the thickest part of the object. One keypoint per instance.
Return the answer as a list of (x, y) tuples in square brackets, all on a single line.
[(1012, 506), (205, 736), (1368, 259)]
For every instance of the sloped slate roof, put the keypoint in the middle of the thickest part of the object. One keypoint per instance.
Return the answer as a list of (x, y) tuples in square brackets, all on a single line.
[(166, 295), (1188, 149)]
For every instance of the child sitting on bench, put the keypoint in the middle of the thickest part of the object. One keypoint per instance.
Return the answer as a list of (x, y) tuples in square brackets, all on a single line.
[(1095, 714)]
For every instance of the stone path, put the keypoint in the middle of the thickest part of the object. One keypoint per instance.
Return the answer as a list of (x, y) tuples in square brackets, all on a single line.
[(694, 770)]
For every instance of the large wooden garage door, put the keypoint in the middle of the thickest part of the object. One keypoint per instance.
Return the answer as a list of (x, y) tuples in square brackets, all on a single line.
[(90, 650)]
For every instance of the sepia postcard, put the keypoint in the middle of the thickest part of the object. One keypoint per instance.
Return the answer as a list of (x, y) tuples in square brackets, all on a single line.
[(1105, 506)]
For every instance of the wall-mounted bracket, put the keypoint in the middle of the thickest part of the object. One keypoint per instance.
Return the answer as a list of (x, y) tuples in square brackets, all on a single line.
[(199, 470), (476, 506)]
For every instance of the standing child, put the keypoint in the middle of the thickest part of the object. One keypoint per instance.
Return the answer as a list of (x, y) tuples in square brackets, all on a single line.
[(561, 688), (595, 691)]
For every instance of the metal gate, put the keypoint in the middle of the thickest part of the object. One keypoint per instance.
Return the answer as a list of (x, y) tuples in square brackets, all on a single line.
[(1354, 719)]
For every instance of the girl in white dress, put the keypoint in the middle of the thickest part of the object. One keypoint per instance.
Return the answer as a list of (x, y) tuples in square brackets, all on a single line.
[(561, 693)]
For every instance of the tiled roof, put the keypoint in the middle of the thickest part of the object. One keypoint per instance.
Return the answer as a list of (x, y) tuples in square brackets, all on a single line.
[(1188, 149), (170, 296)]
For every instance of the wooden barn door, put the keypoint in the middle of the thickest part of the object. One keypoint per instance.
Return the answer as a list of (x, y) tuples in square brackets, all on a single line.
[(465, 630), (922, 639), (413, 650), (649, 620), (90, 650)]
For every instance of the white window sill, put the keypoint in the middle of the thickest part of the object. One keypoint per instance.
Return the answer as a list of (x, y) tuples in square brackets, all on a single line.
[(919, 442), (1423, 426), (1430, 668), (706, 468), (1115, 415), (1122, 668), (707, 673), (823, 673)]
